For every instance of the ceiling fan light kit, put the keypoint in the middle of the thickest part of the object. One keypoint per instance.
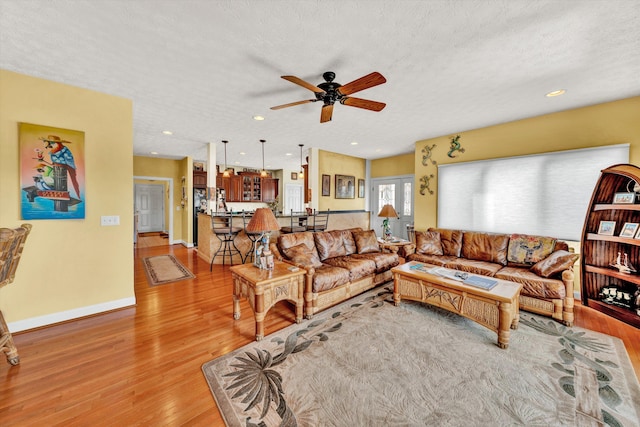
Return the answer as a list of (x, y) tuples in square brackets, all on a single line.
[(330, 92)]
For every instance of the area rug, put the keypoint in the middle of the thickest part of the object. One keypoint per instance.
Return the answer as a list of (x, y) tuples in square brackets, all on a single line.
[(369, 363), (163, 269)]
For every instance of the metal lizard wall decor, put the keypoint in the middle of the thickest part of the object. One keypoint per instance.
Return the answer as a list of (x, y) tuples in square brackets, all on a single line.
[(455, 146), (424, 184), (427, 156)]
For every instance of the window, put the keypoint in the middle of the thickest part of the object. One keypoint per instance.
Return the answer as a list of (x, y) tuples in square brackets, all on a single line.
[(543, 194)]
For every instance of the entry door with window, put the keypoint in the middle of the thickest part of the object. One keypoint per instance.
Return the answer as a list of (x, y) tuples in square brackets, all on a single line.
[(149, 205), (397, 192)]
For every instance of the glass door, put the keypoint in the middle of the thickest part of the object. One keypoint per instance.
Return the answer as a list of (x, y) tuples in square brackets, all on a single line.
[(397, 192)]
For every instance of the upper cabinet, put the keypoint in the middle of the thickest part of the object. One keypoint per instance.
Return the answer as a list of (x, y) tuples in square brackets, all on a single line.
[(248, 187), (611, 245), (199, 179)]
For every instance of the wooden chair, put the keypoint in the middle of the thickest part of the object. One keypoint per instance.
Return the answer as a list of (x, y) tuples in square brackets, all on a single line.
[(11, 246), (222, 225), (320, 221), (298, 223)]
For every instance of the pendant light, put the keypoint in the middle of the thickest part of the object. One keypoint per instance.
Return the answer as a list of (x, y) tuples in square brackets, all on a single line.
[(226, 172), (301, 174), (263, 173)]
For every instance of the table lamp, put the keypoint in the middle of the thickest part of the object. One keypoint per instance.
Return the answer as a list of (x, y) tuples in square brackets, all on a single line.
[(263, 221), (386, 212)]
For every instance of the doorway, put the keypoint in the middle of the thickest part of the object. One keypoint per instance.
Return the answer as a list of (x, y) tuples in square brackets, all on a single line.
[(293, 200), (149, 205), (397, 192)]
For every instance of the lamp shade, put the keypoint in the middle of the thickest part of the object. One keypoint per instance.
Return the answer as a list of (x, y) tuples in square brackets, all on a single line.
[(263, 220), (388, 211)]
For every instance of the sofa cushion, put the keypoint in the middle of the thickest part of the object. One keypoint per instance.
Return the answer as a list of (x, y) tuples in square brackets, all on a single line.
[(439, 260), (451, 241), (328, 277), (335, 243), (302, 254), (366, 241), (484, 268), (485, 247), (532, 284), (527, 250), (555, 263), (358, 268), (428, 243), (286, 241), (384, 261)]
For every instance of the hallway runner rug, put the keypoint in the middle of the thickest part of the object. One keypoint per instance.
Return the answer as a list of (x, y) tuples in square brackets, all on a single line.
[(368, 363), (163, 269)]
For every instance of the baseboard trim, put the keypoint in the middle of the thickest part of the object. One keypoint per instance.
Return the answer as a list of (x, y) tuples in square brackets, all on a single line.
[(64, 316)]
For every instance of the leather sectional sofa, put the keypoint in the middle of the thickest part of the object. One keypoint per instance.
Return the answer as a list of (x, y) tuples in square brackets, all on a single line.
[(339, 264), (543, 265)]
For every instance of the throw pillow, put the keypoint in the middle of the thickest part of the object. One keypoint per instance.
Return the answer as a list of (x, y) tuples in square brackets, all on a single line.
[(366, 241), (301, 254), (428, 243), (528, 250), (555, 263)]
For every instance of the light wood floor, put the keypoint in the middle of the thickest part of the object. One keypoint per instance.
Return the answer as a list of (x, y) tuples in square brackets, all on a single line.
[(141, 366)]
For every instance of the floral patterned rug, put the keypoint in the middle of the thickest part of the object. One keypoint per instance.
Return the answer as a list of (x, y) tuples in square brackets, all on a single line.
[(368, 363)]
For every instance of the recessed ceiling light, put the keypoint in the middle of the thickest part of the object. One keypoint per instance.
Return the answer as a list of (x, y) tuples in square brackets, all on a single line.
[(237, 163), (242, 153), (555, 93), (167, 132), (154, 152), (259, 118), (288, 154), (354, 143)]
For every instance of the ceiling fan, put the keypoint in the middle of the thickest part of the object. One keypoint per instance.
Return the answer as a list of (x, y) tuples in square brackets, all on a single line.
[(330, 92)]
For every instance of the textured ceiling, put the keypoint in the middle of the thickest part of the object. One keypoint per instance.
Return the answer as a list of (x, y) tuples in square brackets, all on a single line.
[(203, 68)]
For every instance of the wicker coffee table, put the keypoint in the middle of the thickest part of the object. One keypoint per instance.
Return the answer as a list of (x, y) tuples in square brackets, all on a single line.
[(496, 309)]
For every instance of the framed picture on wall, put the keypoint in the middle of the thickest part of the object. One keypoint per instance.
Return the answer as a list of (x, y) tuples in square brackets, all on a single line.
[(361, 188), (345, 187), (294, 176), (326, 185)]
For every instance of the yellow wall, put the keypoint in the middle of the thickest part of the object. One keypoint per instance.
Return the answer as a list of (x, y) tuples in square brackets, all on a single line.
[(69, 268), (331, 164), (603, 124), (393, 166), (175, 170)]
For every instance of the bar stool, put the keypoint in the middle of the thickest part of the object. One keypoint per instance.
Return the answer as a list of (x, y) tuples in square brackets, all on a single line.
[(252, 235), (222, 225), (298, 223), (320, 221)]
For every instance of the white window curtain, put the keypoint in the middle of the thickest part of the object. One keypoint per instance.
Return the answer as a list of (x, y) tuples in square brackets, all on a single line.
[(544, 194)]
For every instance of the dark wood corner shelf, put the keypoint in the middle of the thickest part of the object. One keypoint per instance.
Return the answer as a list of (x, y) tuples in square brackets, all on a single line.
[(598, 250)]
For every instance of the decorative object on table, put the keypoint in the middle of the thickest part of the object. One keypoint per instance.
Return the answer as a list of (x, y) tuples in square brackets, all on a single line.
[(424, 184), (624, 198), (428, 152), (629, 229), (455, 146), (52, 172), (623, 265), (299, 374), (263, 221), (345, 187), (607, 228), (361, 188), (198, 166), (386, 212), (326, 185)]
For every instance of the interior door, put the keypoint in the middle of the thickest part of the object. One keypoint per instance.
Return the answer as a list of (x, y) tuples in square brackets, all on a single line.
[(397, 192), (293, 198), (149, 204)]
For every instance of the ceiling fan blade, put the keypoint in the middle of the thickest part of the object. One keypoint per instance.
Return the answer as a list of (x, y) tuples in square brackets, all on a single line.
[(277, 107), (327, 112), (363, 103), (370, 80), (299, 81)]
